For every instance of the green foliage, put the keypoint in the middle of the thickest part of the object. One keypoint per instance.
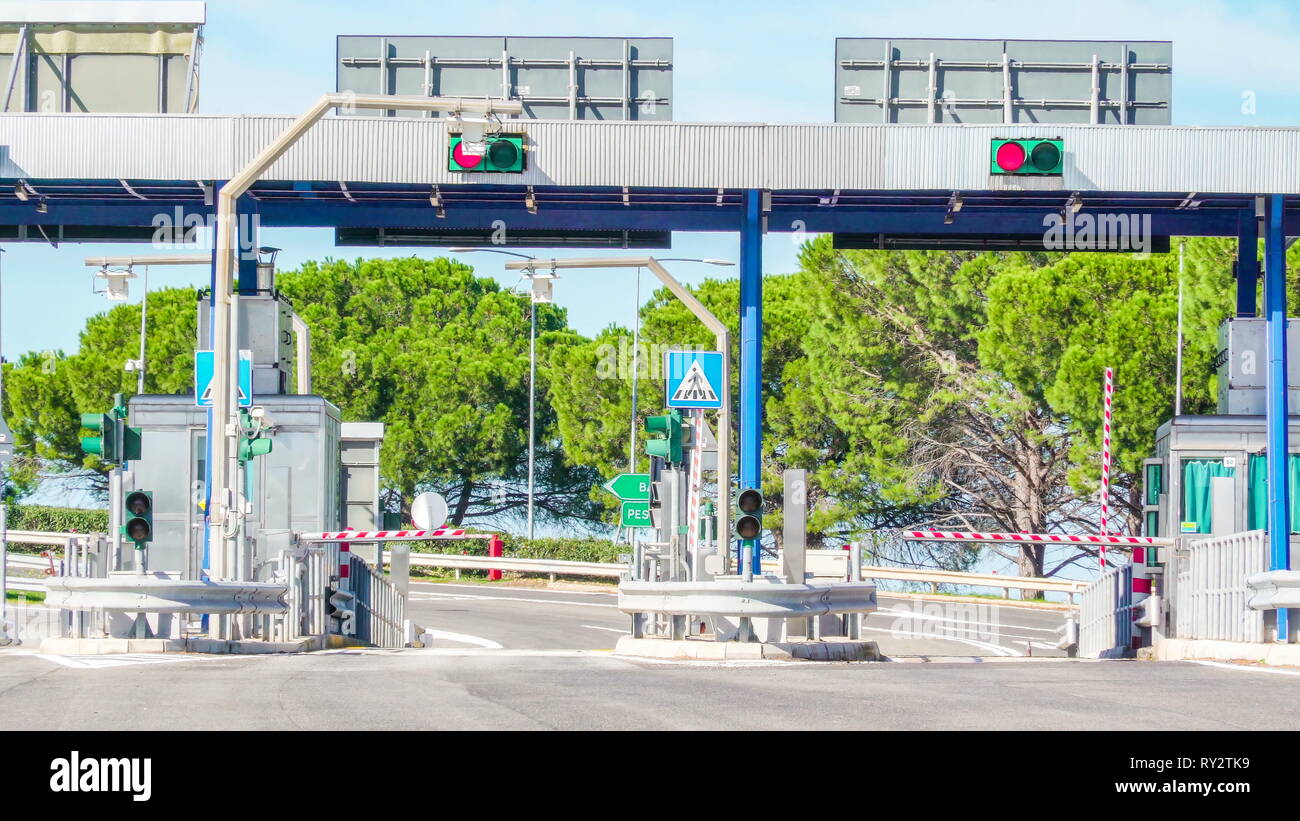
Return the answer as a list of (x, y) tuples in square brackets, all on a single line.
[(57, 519), (569, 550), (440, 356), (47, 391)]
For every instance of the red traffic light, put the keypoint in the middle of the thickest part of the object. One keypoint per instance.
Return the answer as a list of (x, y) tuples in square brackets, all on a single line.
[(1010, 156), (464, 159)]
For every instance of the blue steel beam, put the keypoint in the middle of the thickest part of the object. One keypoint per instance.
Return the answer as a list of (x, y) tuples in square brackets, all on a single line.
[(1279, 522), (1247, 262), (751, 350), (315, 213)]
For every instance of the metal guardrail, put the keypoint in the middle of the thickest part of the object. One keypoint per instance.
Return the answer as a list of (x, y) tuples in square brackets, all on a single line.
[(1274, 590), (745, 599), (557, 566), (1210, 591), (306, 572), (835, 563), (1106, 615), (159, 594)]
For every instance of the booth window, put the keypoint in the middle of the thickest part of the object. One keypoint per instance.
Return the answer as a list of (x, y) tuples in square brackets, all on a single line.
[(1197, 505), (1257, 498)]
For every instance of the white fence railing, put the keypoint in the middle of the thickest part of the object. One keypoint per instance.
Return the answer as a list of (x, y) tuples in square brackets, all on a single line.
[(380, 608), (1106, 615), (1210, 594)]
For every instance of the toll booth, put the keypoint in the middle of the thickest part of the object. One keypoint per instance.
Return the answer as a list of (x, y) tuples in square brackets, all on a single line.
[(294, 487), (320, 474), (1209, 473)]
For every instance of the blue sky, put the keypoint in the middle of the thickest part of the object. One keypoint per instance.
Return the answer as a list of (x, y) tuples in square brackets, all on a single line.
[(761, 61)]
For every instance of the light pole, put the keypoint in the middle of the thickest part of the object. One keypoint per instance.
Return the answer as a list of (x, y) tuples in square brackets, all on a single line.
[(224, 428), (721, 336), (538, 294)]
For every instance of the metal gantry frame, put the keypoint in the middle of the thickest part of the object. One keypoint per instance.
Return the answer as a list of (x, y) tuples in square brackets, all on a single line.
[(748, 212)]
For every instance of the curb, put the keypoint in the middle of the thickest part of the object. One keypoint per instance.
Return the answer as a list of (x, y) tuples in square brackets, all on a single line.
[(112, 646), (1287, 655)]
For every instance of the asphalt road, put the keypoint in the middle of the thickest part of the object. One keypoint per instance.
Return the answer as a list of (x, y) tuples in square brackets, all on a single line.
[(531, 618), (520, 658)]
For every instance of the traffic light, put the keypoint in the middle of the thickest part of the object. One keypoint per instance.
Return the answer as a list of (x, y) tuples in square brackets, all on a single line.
[(1032, 157), (749, 524), (502, 154), (131, 444), (252, 442), (667, 443), (138, 516), (105, 445)]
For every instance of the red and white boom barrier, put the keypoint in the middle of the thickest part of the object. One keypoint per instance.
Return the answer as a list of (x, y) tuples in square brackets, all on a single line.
[(495, 545), (1100, 539)]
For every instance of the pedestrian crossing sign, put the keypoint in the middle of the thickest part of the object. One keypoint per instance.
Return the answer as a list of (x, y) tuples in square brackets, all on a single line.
[(203, 371), (694, 379)]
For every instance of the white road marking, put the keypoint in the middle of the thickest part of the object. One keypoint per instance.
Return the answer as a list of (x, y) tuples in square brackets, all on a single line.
[(597, 627), (1037, 644), (464, 638), (1247, 667)]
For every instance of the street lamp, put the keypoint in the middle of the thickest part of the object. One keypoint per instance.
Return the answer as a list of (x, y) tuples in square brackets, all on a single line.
[(636, 348), (541, 292), (721, 335)]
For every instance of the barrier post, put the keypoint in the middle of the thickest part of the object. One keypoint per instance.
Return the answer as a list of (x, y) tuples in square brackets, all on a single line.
[(495, 547)]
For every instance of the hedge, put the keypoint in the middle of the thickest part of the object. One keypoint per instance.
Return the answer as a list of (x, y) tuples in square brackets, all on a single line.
[(57, 519), (572, 550)]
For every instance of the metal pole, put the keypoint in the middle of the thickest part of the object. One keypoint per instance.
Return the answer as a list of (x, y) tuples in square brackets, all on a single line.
[(1279, 520), (751, 348), (532, 399), (144, 328), (221, 432), (636, 364), (1178, 367)]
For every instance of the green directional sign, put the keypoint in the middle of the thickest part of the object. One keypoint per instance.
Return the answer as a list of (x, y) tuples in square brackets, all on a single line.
[(630, 487), (636, 514)]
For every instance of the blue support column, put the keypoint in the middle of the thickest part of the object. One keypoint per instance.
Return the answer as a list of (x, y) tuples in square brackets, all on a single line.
[(1279, 520), (1247, 263), (751, 350)]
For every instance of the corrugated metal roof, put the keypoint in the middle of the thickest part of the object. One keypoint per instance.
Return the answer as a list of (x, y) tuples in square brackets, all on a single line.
[(650, 154)]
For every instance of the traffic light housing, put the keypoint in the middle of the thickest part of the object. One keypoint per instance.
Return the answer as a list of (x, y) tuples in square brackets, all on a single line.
[(105, 444), (131, 444), (503, 154), (138, 516), (666, 441), (749, 524), (1028, 157), (251, 444)]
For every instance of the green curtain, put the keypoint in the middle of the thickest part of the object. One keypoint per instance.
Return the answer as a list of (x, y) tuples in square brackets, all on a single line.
[(1197, 474), (1257, 499)]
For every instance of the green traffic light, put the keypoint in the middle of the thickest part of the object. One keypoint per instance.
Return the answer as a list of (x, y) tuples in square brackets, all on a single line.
[(668, 432), (248, 448), (105, 445)]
